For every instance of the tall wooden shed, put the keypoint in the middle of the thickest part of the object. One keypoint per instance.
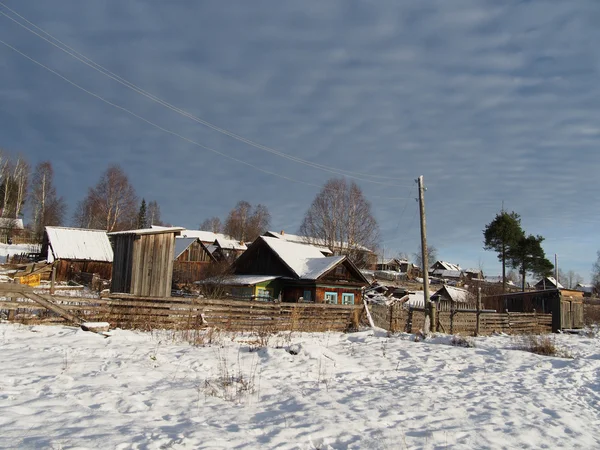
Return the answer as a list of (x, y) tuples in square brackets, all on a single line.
[(143, 261)]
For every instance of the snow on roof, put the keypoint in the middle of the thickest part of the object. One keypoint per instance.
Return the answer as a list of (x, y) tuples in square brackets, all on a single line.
[(456, 294), (240, 280), (79, 243), (182, 244), (153, 230), (551, 280), (7, 222), (447, 273), (230, 244), (317, 242), (584, 287), (448, 266), (415, 299), (306, 261)]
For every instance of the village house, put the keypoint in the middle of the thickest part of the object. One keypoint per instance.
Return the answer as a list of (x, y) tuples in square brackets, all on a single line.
[(192, 260), (548, 283), (9, 228), (77, 250), (273, 268), (450, 297)]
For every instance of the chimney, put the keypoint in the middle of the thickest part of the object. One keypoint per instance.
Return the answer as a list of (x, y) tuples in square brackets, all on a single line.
[(282, 232)]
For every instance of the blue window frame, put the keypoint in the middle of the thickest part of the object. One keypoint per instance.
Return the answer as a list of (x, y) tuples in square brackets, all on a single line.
[(331, 297), (347, 299), (307, 296)]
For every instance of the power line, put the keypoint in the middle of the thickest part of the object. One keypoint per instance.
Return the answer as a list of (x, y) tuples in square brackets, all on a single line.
[(108, 102), (101, 69)]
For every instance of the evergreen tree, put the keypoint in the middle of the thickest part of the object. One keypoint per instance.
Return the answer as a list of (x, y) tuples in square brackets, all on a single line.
[(142, 219), (528, 257), (501, 235)]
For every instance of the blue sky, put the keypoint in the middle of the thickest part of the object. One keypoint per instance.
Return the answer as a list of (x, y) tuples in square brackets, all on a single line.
[(490, 101)]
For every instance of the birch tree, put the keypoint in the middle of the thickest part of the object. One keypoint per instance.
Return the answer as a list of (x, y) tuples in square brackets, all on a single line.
[(48, 208), (111, 205), (340, 218)]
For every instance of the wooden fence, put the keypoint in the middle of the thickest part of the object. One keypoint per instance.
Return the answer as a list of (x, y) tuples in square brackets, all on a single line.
[(147, 313), (395, 318)]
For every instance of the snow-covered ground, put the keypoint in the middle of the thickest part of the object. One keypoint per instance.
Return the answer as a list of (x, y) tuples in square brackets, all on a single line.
[(16, 249), (61, 387)]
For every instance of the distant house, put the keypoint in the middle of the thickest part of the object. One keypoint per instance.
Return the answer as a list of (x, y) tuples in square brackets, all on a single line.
[(297, 239), (272, 268), (450, 297), (192, 259), (227, 249), (389, 264), (446, 271), (473, 274), (10, 227), (589, 290), (548, 283), (76, 250)]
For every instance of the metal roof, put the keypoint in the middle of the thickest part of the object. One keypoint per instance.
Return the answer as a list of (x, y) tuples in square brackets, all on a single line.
[(182, 244), (141, 231), (79, 243)]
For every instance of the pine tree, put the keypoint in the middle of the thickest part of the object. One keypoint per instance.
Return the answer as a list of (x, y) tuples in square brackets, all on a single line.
[(142, 221)]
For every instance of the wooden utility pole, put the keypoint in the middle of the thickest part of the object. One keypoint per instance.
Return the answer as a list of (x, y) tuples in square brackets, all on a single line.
[(556, 269), (424, 255)]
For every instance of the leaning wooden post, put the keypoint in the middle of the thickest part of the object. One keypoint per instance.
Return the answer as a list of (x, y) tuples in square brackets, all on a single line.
[(433, 315), (477, 323), (52, 280)]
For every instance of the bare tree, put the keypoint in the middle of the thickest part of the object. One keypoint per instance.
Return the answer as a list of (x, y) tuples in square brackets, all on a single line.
[(154, 213), (213, 224), (48, 208), (340, 218), (432, 256), (14, 179), (246, 223), (111, 205), (596, 273)]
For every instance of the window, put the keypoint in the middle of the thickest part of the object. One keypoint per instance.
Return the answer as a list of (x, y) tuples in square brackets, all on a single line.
[(339, 270), (307, 296), (347, 299), (331, 297), (263, 294)]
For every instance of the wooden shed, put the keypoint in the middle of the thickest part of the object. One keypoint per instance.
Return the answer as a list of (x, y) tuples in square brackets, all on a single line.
[(143, 261)]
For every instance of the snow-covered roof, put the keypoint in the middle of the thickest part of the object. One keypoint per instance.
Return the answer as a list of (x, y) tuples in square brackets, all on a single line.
[(473, 271), (78, 243), (7, 222), (447, 265), (447, 273), (240, 280), (585, 287), (456, 294), (153, 230), (415, 299), (552, 282), (317, 242), (182, 244), (306, 261), (230, 244)]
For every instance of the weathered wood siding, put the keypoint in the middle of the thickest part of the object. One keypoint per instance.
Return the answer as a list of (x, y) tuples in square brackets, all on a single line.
[(67, 269), (143, 264)]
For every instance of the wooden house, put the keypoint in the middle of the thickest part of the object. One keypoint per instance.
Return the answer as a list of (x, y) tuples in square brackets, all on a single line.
[(192, 260), (143, 261), (301, 272), (227, 249), (548, 283), (77, 250), (450, 297), (446, 270)]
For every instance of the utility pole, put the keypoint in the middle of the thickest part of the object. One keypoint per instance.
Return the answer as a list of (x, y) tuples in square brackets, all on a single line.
[(556, 269), (424, 255)]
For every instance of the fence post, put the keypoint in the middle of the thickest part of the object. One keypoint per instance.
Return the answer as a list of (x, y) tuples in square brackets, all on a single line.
[(451, 316), (477, 324), (52, 280), (433, 315), (508, 319), (391, 312)]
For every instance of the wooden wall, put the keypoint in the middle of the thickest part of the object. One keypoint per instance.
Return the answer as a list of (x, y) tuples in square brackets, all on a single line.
[(143, 264), (189, 271), (67, 269)]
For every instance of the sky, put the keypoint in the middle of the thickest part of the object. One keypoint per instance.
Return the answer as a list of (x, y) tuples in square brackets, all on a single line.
[(494, 103)]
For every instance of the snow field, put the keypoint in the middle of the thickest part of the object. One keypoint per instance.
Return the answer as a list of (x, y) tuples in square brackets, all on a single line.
[(61, 387)]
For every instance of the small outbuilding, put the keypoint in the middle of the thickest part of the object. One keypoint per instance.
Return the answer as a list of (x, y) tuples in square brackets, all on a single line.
[(77, 250), (143, 261)]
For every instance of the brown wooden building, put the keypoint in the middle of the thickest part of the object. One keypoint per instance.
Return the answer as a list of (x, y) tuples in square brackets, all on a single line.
[(74, 251), (143, 261), (304, 273), (192, 260)]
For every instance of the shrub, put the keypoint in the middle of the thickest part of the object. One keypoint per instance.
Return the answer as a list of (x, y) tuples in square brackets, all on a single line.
[(460, 341), (543, 345)]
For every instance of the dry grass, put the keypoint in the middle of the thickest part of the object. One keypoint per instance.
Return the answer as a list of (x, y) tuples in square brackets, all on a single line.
[(461, 341), (542, 345), (232, 385)]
